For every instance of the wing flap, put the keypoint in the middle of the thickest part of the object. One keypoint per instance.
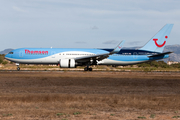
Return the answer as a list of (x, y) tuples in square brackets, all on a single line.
[(101, 56)]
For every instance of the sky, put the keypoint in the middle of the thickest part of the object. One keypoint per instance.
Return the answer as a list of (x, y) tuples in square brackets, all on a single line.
[(85, 23)]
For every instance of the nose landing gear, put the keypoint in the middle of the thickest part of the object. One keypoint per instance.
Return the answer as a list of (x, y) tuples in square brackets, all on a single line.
[(18, 68)]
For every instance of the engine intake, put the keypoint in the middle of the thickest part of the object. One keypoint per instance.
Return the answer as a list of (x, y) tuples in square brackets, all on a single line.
[(67, 63)]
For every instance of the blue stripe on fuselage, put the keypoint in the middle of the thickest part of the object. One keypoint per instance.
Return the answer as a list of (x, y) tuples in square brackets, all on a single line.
[(36, 53), (123, 55), (133, 52)]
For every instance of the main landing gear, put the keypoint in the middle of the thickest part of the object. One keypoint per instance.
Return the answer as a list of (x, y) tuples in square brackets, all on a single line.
[(18, 68), (88, 68)]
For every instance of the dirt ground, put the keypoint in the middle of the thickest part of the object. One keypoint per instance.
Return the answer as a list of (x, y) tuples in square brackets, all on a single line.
[(63, 95)]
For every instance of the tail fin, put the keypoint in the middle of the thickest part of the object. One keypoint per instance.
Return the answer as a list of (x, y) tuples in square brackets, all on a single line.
[(157, 43)]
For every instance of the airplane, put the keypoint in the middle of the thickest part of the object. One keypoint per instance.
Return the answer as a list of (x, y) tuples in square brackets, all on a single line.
[(73, 57)]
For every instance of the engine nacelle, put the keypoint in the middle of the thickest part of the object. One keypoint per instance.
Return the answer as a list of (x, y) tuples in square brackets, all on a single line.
[(67, 63)]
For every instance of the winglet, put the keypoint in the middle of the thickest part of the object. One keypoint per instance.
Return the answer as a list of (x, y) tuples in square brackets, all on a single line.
[(118, 48)]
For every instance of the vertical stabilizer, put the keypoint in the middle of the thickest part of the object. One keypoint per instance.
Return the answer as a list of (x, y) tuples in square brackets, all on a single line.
[(158, 42)]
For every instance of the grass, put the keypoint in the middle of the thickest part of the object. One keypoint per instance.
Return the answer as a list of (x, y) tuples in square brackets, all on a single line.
[(7, 115), (141, 117), (76, 113), (98, 102), (76, 95), (152, 116), (175, 111), (176, 117), (60, 114)]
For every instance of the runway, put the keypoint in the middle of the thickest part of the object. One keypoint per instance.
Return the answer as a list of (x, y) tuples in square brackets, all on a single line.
[(95, 70)]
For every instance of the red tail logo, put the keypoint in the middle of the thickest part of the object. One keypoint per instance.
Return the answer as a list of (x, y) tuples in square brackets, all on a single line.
[(155, 40)]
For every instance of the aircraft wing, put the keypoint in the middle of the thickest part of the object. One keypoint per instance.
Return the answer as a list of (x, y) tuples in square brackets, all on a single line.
[(100, 56), (160, 54)]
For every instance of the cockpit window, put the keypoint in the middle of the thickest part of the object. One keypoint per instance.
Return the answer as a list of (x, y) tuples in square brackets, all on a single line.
[(10, 52)]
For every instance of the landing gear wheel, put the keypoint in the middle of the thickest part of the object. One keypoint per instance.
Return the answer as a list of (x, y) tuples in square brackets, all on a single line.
[(87, 69), (90, 69), (18, 68)]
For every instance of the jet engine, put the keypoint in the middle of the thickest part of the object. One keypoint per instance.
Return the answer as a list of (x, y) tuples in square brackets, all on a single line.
[(67, 63)]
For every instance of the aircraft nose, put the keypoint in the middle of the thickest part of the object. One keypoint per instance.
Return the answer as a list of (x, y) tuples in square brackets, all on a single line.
[(6, 56)]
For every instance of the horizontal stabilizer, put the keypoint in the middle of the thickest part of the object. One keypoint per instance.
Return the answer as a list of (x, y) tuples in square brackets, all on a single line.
[(160, 54)]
